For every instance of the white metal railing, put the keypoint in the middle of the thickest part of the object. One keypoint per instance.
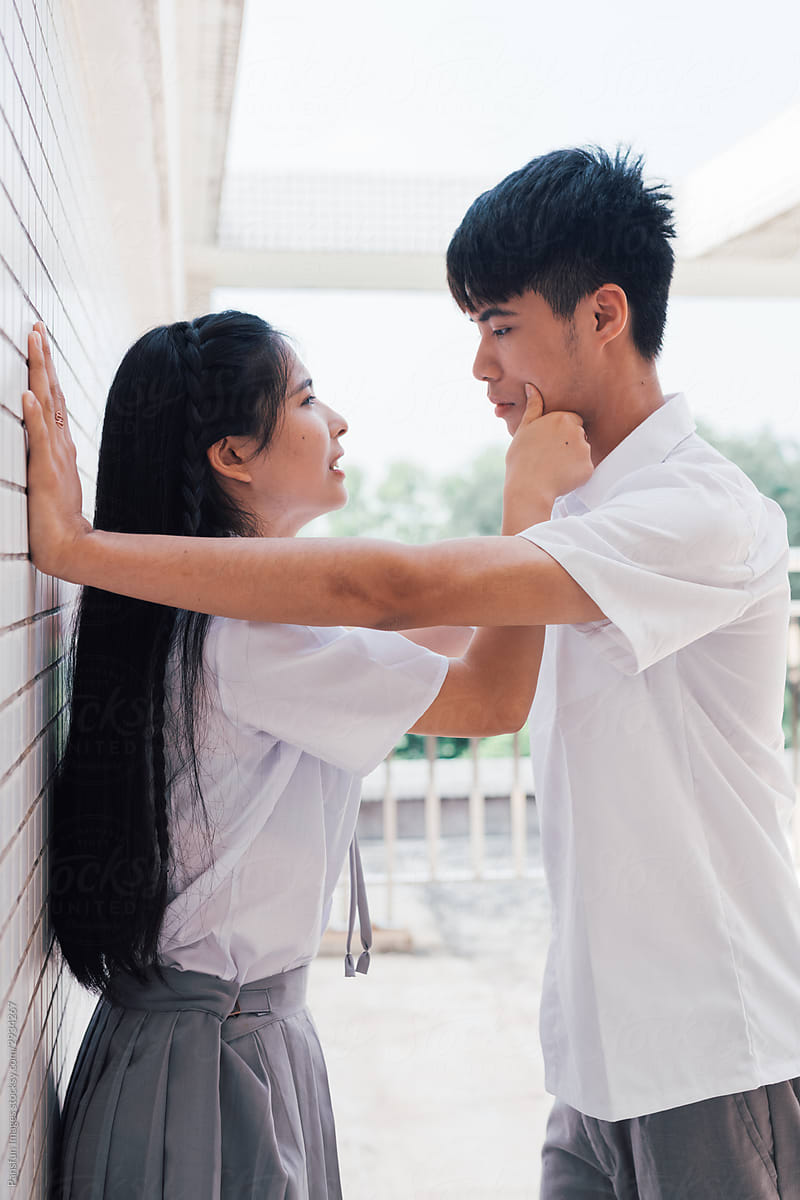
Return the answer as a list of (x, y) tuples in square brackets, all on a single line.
[(428, 864)]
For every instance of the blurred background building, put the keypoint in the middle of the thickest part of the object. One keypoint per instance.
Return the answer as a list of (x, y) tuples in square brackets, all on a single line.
[(130, 196)]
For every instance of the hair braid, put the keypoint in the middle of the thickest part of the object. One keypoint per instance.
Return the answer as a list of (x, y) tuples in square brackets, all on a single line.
[(193, 479), (159, 881), (193, 466)]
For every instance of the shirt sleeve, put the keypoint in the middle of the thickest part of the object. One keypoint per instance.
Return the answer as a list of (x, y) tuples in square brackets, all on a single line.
[(344, 696), (668, 563)]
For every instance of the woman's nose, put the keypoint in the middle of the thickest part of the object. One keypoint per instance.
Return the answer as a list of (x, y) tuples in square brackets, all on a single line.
[(338, 425)]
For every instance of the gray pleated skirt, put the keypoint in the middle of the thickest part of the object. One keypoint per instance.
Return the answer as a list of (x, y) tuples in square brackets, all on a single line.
[(178, 1094)]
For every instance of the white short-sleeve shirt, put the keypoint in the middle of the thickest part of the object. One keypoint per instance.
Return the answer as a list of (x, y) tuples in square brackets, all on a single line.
[(295, 717), (674, 967)]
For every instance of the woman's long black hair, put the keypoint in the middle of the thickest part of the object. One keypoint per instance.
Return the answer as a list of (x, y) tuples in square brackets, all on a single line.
[(179, 389)]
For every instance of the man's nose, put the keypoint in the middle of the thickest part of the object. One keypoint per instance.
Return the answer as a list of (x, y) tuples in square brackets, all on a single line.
[(484, 367)]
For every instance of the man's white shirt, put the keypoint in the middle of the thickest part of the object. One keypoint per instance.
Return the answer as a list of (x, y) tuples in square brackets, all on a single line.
[(674, 967)]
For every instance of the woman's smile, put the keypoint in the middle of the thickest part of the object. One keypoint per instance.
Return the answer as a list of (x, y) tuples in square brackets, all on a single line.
[(298, 477)]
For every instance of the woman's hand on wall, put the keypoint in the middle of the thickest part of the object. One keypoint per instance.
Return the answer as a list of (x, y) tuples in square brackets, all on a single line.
[(55, 517)]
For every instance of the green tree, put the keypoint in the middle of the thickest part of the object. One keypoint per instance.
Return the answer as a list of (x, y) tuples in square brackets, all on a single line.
[(407, 504), (773, 464), (473, 499), (359, 517), (412, 745)]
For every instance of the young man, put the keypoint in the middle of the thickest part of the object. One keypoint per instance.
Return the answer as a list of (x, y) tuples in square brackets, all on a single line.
[(670, 1016)]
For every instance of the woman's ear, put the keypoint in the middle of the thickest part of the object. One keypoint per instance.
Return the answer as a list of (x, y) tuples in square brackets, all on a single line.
[(227, 459), (609, 311)]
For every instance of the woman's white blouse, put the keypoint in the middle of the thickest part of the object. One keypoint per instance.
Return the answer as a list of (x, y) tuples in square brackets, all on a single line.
[(294, 717)]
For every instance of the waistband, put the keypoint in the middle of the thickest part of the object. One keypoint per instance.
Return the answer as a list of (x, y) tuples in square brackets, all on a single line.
[(279, 995), (275, 994)]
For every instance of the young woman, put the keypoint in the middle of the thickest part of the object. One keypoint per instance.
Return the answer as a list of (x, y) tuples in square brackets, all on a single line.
[(208, 793)]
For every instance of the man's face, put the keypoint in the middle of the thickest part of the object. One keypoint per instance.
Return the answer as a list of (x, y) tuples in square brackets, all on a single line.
[(521, 341)]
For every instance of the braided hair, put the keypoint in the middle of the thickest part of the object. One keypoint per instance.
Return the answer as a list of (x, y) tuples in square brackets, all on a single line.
[(179, 389), (187, 339)]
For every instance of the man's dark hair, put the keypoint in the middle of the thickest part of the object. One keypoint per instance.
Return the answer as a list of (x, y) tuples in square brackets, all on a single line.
[(562, 226)]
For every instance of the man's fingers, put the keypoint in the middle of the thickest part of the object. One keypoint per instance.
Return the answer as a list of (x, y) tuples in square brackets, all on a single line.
[(535, 403)]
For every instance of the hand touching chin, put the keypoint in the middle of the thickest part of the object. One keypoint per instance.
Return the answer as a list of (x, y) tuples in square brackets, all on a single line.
[(513, 419)]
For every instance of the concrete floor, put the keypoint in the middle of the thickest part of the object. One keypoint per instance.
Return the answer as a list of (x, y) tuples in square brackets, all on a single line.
[(433, 1057)]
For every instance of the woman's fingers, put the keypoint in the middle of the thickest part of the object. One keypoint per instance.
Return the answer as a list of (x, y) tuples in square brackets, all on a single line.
[(48, 411), (43, 382), (38, 380), (35, 424), (40, 448), (55, 386)]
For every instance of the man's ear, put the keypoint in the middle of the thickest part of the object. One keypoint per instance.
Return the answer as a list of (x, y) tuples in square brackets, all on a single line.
[(227, 459), (610, 313)]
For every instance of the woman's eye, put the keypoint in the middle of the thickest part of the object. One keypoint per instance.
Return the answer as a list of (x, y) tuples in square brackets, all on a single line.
[(309, 400)]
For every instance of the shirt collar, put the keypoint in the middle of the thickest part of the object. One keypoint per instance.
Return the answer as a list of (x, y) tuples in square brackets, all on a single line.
[(649, 443)]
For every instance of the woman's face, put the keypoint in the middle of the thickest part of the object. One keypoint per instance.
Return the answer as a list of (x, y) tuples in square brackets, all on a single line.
[(297, 476)]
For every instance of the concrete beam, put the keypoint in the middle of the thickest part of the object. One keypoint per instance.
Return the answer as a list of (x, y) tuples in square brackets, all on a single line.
[(318, 269), (425, 272), (129, 110), (207, 36), (764, 277), (741, 189), (158, 77)]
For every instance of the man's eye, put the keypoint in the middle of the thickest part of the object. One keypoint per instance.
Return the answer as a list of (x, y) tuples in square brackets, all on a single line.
[(498, 333)]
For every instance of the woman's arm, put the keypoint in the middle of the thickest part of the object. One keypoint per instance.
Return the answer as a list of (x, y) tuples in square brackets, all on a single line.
[(383, 585), (490, 690), (450, 640)]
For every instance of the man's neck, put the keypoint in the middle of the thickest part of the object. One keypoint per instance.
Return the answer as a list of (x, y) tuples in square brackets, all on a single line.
[(622, 404)]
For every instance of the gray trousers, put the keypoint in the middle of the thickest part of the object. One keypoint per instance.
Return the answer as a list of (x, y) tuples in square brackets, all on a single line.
[(740, 1147)]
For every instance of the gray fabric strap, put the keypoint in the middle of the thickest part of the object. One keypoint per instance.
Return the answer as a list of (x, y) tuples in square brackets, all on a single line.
[(275, 995), (358, 898)]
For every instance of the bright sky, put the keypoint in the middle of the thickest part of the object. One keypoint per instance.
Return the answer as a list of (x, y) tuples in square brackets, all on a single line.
[(461, 87), (467, 86)]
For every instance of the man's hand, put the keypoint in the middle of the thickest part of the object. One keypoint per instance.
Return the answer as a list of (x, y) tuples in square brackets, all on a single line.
[(55, 519), (548, 457)]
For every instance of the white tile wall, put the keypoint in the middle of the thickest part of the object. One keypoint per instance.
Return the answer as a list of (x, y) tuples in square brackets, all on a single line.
[(54, 265)]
